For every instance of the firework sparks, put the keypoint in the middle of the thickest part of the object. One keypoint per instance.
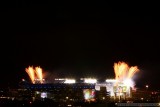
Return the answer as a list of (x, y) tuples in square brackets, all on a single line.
[(31, 73), (35, 78), (124, 73), (132, 71), (38, 71), (120, 70)]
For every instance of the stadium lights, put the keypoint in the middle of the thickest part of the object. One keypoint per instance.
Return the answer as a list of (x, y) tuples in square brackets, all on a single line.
[(70, 81), (89, 80), (111, 80)]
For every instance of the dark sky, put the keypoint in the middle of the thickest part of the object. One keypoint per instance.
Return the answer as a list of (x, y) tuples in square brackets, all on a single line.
[(79, 39)]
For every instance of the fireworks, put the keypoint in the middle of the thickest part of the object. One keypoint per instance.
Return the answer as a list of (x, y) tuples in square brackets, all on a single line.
[(124, 73), (38, 71), (31, 72)]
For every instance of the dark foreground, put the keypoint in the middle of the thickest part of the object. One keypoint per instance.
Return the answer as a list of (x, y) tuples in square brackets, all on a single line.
[(50, 103)]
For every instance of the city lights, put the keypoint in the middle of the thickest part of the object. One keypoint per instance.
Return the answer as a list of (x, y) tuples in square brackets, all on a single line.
[(90, 80), (70, 81)]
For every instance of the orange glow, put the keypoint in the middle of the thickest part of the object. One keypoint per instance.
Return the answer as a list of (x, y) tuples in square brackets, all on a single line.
[(31, 73), (120, 70), (39, 73), (132, 71), (123, 71)]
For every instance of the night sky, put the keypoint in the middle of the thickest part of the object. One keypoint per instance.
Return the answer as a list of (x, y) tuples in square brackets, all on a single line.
[(79, 39)]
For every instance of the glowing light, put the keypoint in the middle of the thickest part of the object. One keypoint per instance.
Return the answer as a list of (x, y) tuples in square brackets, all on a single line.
[(31, 73), (66, 97), (35, 78), (124, 73), (89, 80), (70, 81), (120, 70), (89, 94), (37, 92), (132, 71), (147, 86), (43, 95), (59, 79), (123, 81), (128, 83), (38, 71)]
